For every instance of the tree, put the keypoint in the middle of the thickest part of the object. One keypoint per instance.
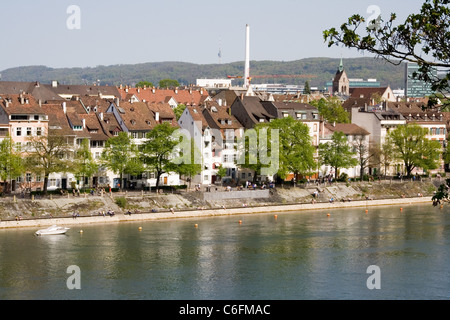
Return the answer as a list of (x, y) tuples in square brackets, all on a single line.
[(158, 150), (337, 153), (331, 110), (121, 156), (282, 146), (307, 89), (84, 163), (11, 164), (221, 172), (141, 84), (178, 110), (422, 38), (189, 160), (411, 146), (48, 154), (167, 83), (365, 152)]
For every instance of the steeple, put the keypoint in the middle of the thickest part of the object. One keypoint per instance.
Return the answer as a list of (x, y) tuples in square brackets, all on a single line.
[(341, 66)]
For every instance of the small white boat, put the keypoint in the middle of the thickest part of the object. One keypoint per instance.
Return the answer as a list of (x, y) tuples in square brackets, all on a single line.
[(52, 230)]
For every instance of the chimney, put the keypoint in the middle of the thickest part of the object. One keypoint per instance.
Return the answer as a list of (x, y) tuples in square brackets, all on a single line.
[(219, 101), (117, 102), (54, 84), (7, 103), (64, 107), (176, 90), (157, 116), (22, 100), (101, 116), (84, 123), (153, 90), (40, 103), (334, 123)]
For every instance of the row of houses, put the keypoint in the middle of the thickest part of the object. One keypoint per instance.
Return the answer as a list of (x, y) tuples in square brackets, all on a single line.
[(97, 113)]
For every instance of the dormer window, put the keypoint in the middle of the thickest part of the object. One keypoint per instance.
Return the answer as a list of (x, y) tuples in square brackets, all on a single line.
[(77, 128), (133, 122)]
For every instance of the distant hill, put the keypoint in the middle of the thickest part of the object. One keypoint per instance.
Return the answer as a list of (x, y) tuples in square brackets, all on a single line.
[(187, 73)]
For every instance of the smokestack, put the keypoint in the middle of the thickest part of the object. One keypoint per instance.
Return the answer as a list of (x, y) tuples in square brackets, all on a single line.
[(247, 58)]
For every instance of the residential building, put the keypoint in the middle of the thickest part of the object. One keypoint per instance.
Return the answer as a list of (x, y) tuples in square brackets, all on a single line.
[(357, 138)]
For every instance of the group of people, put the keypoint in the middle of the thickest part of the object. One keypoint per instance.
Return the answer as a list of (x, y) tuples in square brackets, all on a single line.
[(110, 213)]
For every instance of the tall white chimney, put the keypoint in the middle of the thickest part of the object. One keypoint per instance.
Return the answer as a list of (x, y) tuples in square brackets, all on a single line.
[(247, 58)]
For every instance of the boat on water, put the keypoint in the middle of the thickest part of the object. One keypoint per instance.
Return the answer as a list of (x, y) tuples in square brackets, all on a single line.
[(52, 230)]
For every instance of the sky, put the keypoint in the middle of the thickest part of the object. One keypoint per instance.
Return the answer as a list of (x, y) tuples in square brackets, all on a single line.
[(109, 32)]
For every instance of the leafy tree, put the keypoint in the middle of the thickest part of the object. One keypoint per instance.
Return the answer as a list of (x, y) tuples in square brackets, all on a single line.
[(179, 109), (11, 164), (307, 89), (422, 38), (290, 148), (84, 163), (167, 83), (121, 156), (337, 153), (331, 110), (189, 160), (141, 84), (365, 152), (157, 151), (221, 172), (48, 154), (411, 145)]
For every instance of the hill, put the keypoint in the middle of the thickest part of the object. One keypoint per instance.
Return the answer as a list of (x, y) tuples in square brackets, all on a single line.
[(187, 73)]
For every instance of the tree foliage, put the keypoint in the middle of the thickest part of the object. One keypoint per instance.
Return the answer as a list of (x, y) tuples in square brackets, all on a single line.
[(422, 38), (331, 110), (11, 164), (337, 153), (411, 145), (48, 154), (121, 156)]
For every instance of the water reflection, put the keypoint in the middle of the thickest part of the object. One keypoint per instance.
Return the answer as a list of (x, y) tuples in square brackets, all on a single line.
[(305, 255)]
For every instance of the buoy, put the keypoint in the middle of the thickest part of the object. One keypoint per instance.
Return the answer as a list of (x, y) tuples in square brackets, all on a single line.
[(196, 225), (328, 214), (401, 209), (275, 216), (240, 221), (367, 210), (140, 228), (81, 231)]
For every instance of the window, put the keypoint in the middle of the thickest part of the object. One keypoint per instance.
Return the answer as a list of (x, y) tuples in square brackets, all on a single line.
[(315, 127), (18, 146), (29, 132), (28, 177), (38, 178), (206, 177), (39, 131), (18, 132)]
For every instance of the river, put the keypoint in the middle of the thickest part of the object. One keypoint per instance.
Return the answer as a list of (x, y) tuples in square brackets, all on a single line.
[(293, 255)]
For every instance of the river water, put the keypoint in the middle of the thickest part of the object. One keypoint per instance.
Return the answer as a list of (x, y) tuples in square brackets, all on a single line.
[(297, 255)]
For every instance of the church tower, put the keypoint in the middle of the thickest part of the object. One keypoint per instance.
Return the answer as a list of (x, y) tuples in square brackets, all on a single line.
[(341, 83)]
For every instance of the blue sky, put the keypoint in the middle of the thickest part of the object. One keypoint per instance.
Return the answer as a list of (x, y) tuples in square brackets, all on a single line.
[(34, 32)]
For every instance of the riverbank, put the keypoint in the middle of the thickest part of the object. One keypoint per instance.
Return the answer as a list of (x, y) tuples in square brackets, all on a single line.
[(36, 212), (203, 213)]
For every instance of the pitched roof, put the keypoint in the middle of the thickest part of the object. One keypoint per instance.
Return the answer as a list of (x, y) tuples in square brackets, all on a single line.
[(218, 117), (347, 128), (35, 88), (363, 92), (84, 90), (137, 116), (181, 96), (12, 104)]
